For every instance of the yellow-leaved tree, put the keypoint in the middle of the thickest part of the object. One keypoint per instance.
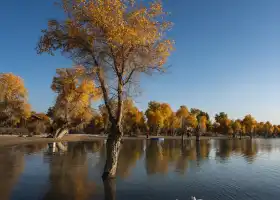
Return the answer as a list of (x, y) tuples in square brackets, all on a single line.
[(75, 93), (159, 116), (182, 113), (237, 128), (14, 106), (155, 120), (115, 40), (133, 120), (249, 123)]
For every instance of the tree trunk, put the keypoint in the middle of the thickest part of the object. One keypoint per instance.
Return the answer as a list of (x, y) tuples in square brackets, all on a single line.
[(112, 153), (110, 189), (61, 132), (197, 136)]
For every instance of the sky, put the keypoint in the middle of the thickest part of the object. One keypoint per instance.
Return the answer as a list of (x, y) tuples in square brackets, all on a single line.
[(226, 58)]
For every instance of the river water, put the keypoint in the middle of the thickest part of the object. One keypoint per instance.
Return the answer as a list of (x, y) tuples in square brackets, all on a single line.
[(147, 170)]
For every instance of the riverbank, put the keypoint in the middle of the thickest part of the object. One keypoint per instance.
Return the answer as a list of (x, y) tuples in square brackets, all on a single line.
[(10, 140)]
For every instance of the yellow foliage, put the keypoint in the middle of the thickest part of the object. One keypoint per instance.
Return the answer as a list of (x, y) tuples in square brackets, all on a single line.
[(75, 95), (115, 39), (160, 115), (202, 123), (13, 99), (191, 121), (249, 123), (132, 118), (182, 112), (12, 88)]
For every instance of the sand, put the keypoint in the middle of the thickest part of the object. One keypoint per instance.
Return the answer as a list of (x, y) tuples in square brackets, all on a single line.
[(10, 140)]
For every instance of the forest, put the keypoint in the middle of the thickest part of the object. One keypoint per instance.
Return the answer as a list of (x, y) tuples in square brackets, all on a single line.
[(73, 106)]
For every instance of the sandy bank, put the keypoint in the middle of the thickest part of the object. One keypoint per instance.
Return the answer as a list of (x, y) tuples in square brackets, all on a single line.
[(8, 140)]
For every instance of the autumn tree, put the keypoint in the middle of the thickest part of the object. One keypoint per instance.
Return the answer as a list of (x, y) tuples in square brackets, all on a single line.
[(236, 127), (199, 113), (73, 102), (14, 106), (158, 116), (249, 124), (175, 123), (195, 111), (202, 126), (115, 40), (133, 120), (191, 122), (224, 122), (182, 114), (268, 128), (276, 130), (166, 113), (260, 128)]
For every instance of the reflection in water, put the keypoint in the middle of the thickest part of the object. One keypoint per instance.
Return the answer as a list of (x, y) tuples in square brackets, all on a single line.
[(11, 167), (74, 168), (110, 189), (226, 148), (130, 152), (69, 171)]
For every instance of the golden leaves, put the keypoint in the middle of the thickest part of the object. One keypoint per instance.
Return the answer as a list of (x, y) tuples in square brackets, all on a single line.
[(12, 87), (158, 114), (13, 98), (116, 23), (118, 37), (75, 94)]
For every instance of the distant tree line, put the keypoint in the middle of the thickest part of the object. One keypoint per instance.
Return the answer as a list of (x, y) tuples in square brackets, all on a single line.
[(73, 112)]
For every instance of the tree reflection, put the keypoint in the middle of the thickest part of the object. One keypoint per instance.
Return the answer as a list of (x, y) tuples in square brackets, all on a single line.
[(187, 153), (110, 189), (155, 161), (130, 152), (224, 149), (69, 174), (12, 165), (34, 148), (250, 150), (247, 148), (160, 156)]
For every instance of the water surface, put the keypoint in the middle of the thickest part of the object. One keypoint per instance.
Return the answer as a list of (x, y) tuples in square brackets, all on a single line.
[(211, 170)]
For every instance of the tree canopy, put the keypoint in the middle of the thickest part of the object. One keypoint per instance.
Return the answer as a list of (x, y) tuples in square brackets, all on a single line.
[(14, 105)]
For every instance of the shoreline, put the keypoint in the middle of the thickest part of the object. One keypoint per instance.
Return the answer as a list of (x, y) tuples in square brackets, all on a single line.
[(12, 140)]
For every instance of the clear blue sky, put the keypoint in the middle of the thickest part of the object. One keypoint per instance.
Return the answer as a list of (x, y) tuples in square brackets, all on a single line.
[(227, 56)]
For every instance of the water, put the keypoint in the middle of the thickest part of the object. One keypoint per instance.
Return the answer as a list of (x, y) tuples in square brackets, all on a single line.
[(148, 170)]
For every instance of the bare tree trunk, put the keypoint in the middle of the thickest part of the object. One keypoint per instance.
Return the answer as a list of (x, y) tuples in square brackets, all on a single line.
[(59, 133), (113, 146)]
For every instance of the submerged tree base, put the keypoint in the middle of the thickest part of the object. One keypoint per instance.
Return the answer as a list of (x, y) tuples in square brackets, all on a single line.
[(110, 188), (113, 146)]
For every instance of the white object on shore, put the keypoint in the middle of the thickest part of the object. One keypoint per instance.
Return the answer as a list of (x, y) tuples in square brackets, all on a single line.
[(193, 198)]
